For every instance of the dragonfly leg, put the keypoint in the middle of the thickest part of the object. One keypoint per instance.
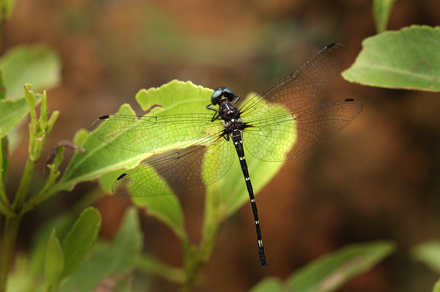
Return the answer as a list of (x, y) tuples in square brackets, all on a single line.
[(216, 116), (238, 97)]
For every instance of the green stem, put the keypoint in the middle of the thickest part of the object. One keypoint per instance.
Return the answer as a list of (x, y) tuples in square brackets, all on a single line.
[(12, 225), (46, 192), (24, 185), (4, 202), (9, 237), (211, 223), (6, 211)]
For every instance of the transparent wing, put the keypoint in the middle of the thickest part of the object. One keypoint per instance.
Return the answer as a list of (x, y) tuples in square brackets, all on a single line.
[(155, 133), (303, 85), (285, 136), (178, 171)]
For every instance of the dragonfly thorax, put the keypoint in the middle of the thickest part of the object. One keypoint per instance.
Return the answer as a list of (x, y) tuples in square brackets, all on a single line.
[(228, 111)]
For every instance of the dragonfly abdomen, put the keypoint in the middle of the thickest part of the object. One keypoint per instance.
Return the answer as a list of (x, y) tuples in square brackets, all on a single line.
[(238, 143)]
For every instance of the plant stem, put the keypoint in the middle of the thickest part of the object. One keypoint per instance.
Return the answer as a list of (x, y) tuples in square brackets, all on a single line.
[(211, 223), (24, 185), (4, 202), (13, 223), (9, 237)]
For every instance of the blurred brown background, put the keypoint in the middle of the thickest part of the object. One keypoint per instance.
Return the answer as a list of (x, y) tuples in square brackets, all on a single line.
[(377, 179)]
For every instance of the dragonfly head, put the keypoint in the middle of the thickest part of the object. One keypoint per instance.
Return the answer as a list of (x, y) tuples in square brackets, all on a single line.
[(222, 93)]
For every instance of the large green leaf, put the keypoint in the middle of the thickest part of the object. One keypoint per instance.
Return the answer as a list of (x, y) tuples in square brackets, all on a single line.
[(38, 65), (101, 158), (80, 239), (429, 254), (406, 59), (108, 260), (175, 97), (12, 113), (381, 13)]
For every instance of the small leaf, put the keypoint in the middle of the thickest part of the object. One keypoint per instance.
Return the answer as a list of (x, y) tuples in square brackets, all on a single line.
[(127, 244), (61, 224), (381, 13), (429, 254), (12, 113), (436, 287), (406, 59), (269, 284), (38, 65), (107, 260), (80, 239), (54, 262), (332, 271)]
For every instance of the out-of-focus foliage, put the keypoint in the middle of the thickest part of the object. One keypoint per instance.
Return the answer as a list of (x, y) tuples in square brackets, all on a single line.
[(330, 272), (406, 59), (38, 65), (428, 253), (381, 13), (108, 260), (13, 112)]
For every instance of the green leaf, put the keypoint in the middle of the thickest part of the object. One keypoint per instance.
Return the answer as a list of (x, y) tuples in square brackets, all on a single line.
[(429, 254), (99, 158), (381, 13), (8, 7), (39, 241), (38, 65), (332, 271), (80, 239), (108, 260), (175, 97), (54, 263), (269, 284), (13, 112), (127, 244), (165, 208), (406, 59), (106, 181), (436, 287), (20, 278)]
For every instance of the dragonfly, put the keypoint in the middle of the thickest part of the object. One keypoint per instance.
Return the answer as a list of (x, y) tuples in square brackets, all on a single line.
[(271, 126)]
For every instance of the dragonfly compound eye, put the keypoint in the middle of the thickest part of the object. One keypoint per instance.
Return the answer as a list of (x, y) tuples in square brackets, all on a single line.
[(229, 94), (216, 96)]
